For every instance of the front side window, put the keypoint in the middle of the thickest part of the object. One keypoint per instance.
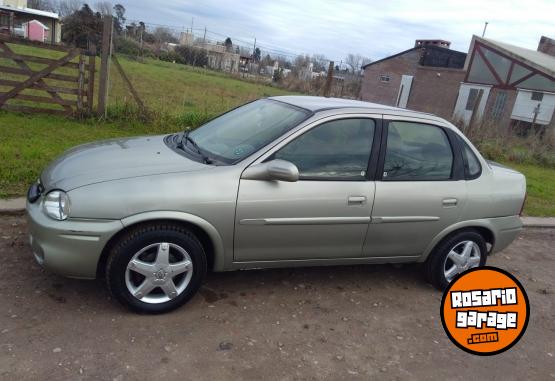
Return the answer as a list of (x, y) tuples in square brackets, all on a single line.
[(417, 152), (244, 130), (336, 150)]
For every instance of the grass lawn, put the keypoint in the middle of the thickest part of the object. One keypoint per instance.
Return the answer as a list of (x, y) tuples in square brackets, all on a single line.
[(540, 183)]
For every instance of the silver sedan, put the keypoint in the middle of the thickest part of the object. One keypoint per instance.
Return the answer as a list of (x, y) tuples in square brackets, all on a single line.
[(279, 182)]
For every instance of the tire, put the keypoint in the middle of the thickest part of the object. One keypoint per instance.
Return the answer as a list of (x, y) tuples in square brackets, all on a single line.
[(145, 259), (439, 268)]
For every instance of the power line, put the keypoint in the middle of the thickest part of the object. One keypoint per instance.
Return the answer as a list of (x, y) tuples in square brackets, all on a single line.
[(264, 47)]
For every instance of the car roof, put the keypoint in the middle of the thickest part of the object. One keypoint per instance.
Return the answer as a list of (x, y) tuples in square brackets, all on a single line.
[(316, 104)]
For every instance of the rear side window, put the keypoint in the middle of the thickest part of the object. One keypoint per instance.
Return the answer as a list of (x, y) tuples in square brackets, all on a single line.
[(336, 150), (472, 167), (417, 152)]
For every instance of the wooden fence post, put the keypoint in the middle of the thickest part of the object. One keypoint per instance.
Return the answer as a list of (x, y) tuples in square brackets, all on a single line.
[(92, 69), (81, 84), (327, 86), (105, 65)]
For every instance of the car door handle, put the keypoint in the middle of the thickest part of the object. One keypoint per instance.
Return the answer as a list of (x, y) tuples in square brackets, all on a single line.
[(356, 200), (449, 202)]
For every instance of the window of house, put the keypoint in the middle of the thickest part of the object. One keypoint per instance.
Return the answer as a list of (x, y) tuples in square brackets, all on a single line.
[(336, 150), (4, 20), (537, 96), (384, 78), (499, 105), (417, 152), (471, 100)]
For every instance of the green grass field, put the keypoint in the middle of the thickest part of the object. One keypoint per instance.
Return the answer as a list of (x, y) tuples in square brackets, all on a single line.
[(178, 96)]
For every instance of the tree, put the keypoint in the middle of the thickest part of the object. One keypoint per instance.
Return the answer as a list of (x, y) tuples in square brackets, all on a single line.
[(301, 66), (119, 19), (228, 44), (355, 62), (67, 7), (278, 75), (42, 5), (162, 35), (82, 27), (104, 8), (320, 62), (256, 55)]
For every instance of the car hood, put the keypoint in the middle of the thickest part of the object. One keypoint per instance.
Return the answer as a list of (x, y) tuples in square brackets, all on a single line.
[(115, 159)]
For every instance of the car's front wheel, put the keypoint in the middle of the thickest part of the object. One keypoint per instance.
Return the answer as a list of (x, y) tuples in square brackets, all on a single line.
[(156, 267), (457, 253)]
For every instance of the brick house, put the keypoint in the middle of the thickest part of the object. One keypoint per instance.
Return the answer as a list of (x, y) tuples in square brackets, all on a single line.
[(513, 85), (425, 77)]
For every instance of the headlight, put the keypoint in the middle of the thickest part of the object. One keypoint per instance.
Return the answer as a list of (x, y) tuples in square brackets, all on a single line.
[(56, 205)]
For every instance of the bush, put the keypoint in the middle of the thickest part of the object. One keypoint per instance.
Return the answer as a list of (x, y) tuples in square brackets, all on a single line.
[(502, 143), (191, 56), (127, 46), (170, 56)]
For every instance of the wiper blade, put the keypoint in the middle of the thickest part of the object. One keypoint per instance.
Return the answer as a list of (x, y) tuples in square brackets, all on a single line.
[(205, 158)]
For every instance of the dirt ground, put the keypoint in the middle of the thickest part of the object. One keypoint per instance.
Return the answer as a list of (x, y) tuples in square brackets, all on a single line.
[(355, 322)]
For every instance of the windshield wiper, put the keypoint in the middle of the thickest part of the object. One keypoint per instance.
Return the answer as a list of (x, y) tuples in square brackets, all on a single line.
[(205, 158)]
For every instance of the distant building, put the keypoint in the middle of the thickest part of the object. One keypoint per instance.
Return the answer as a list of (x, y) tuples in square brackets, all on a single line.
[(15, 16), (425, 77), (220, 57)]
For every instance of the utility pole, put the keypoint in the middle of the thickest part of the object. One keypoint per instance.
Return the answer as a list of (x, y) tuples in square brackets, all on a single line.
[(204, 38), (485, 27)]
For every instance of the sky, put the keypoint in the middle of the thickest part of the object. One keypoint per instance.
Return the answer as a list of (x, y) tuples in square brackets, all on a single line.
[(374, 29)]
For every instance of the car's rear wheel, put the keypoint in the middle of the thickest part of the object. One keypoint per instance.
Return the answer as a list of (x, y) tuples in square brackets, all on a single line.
[(457, 253), (156, 267)]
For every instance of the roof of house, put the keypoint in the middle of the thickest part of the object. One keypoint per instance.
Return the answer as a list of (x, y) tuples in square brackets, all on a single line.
[(450, 58), (393, 56), (541, 61), (30, 11)]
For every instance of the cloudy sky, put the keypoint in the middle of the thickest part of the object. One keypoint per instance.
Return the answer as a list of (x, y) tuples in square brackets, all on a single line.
[(335, 28)]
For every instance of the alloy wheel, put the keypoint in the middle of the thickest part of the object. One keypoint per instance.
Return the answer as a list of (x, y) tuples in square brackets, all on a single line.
[(159, 272), (463, 256)]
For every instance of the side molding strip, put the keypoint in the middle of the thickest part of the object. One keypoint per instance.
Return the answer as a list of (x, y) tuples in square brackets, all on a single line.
[(305, 221), (387, 220)]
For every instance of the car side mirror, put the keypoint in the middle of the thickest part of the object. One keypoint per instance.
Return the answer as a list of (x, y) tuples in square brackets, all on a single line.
[(279, 170)]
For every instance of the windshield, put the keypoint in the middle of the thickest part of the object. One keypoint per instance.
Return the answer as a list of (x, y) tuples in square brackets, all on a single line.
[(244, 130)]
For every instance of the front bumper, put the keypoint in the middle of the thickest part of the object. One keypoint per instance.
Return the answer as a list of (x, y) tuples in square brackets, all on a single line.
[(72, 247)]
